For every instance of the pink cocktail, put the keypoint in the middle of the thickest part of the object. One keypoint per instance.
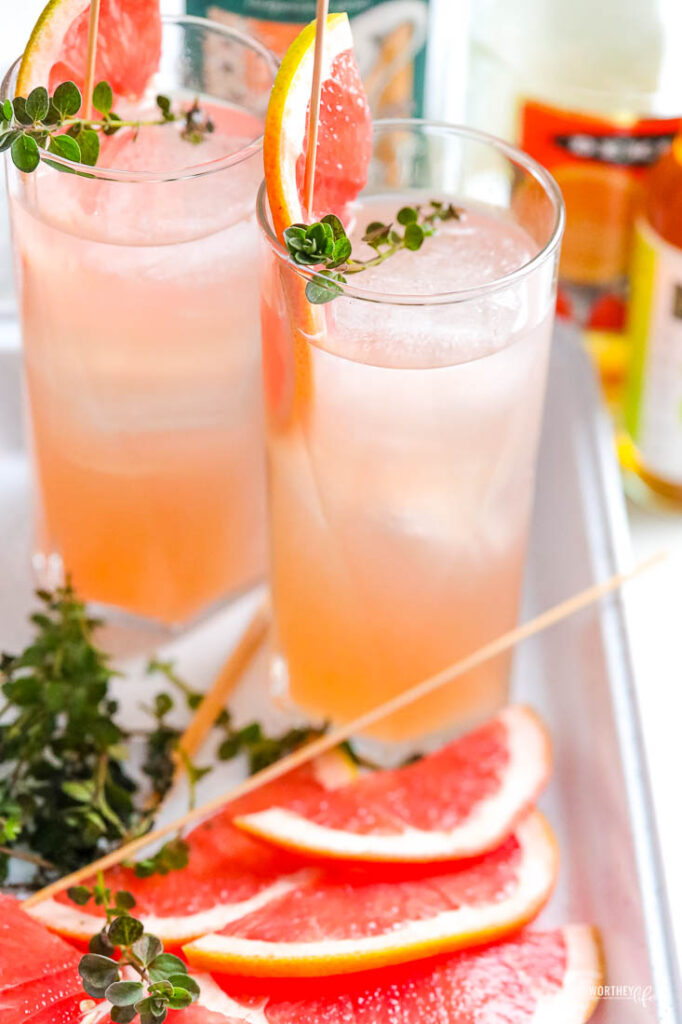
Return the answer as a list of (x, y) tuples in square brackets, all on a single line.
[(139, 307), (403, 422)]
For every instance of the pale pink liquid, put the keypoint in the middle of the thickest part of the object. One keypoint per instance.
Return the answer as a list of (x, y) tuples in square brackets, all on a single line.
[(401, 491), (141, 341)]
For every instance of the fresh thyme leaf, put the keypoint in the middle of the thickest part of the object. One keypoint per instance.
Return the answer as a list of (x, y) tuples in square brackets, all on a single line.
[(103, 98), (31, 123), (325, 245), (162, 981)]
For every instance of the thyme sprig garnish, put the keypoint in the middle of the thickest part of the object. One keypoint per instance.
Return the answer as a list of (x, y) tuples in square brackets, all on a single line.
[(325, 244), (127, 966), (40, 123)]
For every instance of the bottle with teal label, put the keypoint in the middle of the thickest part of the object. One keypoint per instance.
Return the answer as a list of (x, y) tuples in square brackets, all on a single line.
[(389, 41)]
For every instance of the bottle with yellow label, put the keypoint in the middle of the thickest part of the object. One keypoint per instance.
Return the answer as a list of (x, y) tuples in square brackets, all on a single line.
[(651, 450)]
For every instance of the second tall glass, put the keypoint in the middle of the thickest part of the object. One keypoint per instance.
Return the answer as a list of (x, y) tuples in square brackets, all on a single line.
[(403, 422)]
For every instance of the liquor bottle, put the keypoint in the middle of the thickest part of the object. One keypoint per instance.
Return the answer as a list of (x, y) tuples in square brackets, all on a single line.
[(652, 449), (594, 92), (389, 41)]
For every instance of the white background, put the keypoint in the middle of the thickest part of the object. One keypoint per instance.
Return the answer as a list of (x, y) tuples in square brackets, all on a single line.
[(655, 601)]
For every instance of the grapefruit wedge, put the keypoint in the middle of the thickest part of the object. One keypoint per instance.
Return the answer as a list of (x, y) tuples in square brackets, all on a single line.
[(397, 916), (39, 982), (128, 47), (342, 158), (458, 802), (548, 977), (228, 874)]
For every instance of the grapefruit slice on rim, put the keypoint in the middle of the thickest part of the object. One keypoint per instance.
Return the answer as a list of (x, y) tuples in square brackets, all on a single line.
[(128, 46), (342, 158), (228, 874), (544, 977), (458, 802), (396, 916)]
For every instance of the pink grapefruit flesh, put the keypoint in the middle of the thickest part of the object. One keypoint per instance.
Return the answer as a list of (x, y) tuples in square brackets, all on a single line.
[(458, 802), (398, 914), (228, 873), (545, 977), (128, 48)]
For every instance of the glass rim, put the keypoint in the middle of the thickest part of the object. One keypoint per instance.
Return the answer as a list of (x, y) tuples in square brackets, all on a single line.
[(512, 153), (250, 148)]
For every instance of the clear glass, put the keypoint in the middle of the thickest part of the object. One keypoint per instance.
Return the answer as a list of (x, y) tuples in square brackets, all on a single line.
[(401, 435), (138, 293)]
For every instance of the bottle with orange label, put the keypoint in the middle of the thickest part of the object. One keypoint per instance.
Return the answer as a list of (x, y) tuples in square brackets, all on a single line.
[(652, 448), (594, 92)]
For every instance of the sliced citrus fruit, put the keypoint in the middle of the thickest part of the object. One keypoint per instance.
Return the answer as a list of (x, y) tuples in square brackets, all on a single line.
[(458, 802), (128, 45), (35, 988), (398, 915), (544, 977), (342, 157), (228, 873)]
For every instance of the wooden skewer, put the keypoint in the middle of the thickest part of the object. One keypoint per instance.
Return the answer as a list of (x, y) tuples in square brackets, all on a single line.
[(93, 28), (320, 746), (314, 114), (226, 680)]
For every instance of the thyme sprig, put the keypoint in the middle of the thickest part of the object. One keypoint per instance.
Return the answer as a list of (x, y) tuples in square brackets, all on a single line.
[(325, 244), (127, 966), (40, 123)]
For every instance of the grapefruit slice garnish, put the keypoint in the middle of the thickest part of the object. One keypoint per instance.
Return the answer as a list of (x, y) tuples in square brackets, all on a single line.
[(342, 158), (458, 802), (128, 46), (544, 977), (396, 916), (228, 874)]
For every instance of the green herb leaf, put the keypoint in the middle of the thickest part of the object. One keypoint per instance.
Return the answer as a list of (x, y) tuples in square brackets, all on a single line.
[(67, 99), (124, 900), (186, 983), (7, 138), (79, 894), (414, 236), (166, 966), (20, 113), (407, 215), (324, 287), (66, 147), (25, 153), (100, 944), (37, 103), (123, 1014), (88, 140), (102, 98), (97, 973), (7, 110), (147, 949), (124, 931), (124, 993)]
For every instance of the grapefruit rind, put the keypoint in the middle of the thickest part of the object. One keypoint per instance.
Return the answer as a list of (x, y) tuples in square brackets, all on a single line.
[(577, 998), (45, 42), (493, 818), (285, 120), (465, 926), (77, 924)]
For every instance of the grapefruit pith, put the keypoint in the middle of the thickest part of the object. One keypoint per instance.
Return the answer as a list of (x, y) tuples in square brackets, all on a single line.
[(228, 874), (458, 802), (397, 915), (128, 45)]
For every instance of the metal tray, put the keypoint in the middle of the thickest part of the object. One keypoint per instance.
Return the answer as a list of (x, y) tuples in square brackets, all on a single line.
[(578, 675)]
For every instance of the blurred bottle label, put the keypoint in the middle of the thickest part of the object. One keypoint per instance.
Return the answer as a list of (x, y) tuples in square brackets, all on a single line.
[(653, 411), (389, 39)]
